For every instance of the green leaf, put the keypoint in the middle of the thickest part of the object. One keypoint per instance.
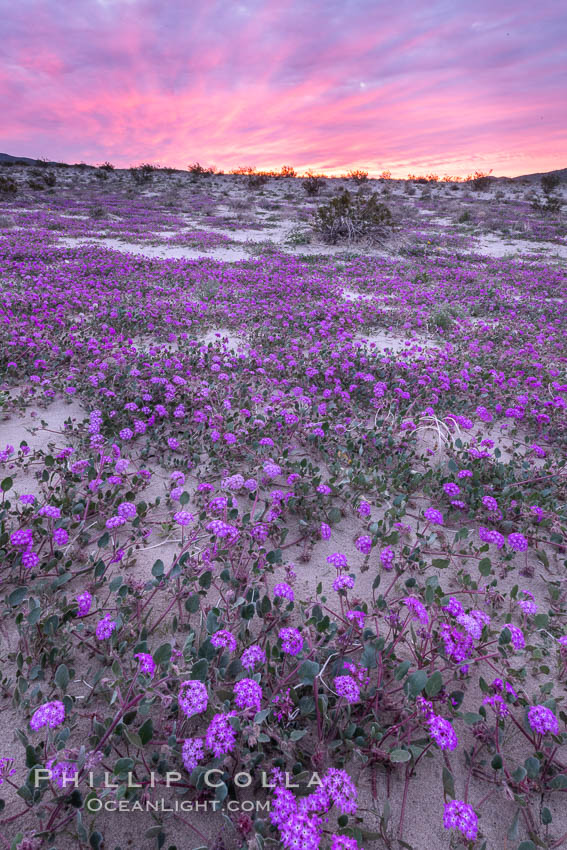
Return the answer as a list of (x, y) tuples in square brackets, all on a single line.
[(434, 684), (123, 765), (546, 816), (158, 569), (18, 595), (308, 671), (334, 516), (6, 484), (248, 611), (297, 734), (514, 830), (95, 840), (62, 677), (415, 683), (221, 792), (192, 604), (401, 670), (146, 731), (533, 767), (399, 756), (162, 654), (470, 718), (485, 567), (448, 783), (200, 670)]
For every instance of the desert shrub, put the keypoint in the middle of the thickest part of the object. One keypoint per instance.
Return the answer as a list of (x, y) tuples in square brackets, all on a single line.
[(8, 186), (257, 180), (352, 217), (101, 175), (549, 183), (287, 171), (36, 184), (358, 175), (243, 170), (143, 173), (298, 236), (50, 179), (465, 217), (97, 212), (198, 170), (481, 180), (240, 204), (312, 184), (106, 166), (551, 204)]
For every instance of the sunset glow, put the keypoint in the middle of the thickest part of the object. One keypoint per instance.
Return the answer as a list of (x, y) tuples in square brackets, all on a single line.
[(448, 87)]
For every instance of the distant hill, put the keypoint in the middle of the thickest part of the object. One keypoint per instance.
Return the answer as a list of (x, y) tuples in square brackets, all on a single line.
[(560, 172), (6, 157)]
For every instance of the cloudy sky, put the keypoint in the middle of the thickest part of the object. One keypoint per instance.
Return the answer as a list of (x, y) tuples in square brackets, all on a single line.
[(448, 86)]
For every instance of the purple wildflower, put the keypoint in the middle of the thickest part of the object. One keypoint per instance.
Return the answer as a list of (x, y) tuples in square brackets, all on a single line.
[(192, 753), (338, 560), (346, 687), (224, 639), (516, 635), (252, 656), (50, 714), (84, 601), (193, 698), (248, 694), (343, 583), (442, 733), (433, 516), (543, 720), (418, 608), (220, 736), (517, 542), (147, 663), (364, 544), (105, 627), (292, 642), (462, 817), (284, 591), (183, 518)]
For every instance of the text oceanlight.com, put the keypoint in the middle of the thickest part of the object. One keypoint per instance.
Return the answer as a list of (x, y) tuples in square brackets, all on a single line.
[(162, 805)]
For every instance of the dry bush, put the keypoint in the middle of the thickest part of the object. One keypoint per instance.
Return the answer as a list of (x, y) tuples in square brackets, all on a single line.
[(352, 217), (312, 184), (8, 186)]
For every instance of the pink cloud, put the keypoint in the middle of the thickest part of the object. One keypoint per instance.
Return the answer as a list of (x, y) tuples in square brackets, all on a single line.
[(440, 86)]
